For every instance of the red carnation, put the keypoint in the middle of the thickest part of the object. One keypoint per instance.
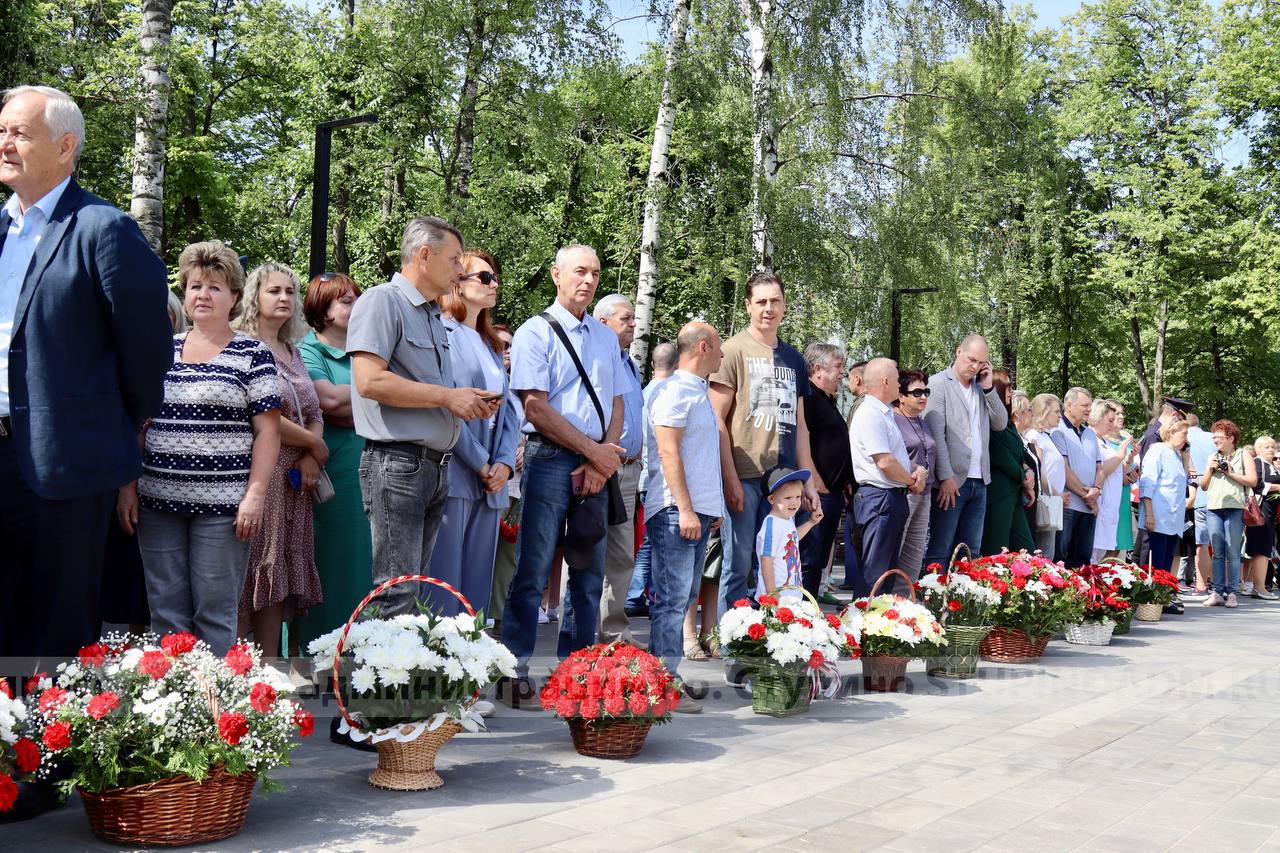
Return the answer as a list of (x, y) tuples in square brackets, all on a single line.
[(52, 699), (304, 721), (564, 707), (934, 567), (261, 697), (833, 620), (768, 600), (102, 704), (615, 705), (590, 709), (154, 664), (1019, 582), (742, 602), (176, 645), (816, 660), (32, 685), (785, 615), (238, 659), (954, 606), (232, 726), (8, 792), (27, 754), (755, 632), (861, 604), (891, 614), (5, 688), (56, 736), (93, 655), (638, 703)]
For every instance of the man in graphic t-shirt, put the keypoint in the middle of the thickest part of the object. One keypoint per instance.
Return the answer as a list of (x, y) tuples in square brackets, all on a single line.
[(759, 395)]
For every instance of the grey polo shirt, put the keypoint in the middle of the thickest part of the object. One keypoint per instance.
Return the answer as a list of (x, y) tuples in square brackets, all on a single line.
[(397, 324)]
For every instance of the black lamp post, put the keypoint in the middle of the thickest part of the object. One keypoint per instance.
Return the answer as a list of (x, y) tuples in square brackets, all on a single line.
[(320, 190)]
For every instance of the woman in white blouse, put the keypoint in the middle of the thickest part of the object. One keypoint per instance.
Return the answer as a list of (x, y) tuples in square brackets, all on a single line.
[(1046, 413), (485, 454)]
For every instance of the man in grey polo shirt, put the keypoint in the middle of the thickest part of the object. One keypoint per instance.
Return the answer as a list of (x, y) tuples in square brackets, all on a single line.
[(405, 405), (1078, 445)]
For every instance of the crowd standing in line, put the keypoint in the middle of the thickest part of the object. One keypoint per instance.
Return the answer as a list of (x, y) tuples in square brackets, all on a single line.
[(274, 477)]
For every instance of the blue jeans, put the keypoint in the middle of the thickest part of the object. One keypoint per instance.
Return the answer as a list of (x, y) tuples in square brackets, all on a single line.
[(1226, 530), (1075, 540), (738, 539), (640, 580), (815, 548), (545, 500), (962, 523), (677, 575), (882, 513)]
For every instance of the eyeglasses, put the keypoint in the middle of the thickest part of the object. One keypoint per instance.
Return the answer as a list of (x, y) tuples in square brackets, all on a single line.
[(920, 392), (485, 277)]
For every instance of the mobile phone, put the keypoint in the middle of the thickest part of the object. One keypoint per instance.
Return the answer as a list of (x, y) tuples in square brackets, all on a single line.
[(577, 480), (490, 396), (295, 479)]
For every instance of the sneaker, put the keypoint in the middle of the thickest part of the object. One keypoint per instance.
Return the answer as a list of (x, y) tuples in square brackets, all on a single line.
[(1231, 600), (1214, 600), (687, 704), (553, 614), (1248, 588), (1192, 592), (484, 708), (828, 598), (543, 618), (1265, 595)]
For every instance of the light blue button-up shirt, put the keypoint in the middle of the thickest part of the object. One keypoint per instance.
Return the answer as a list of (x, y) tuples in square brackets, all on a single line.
[(26, 228), (632, 440), (539, 363), (1164, 480)]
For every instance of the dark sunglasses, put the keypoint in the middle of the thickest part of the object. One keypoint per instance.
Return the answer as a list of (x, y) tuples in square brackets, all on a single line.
[(920, 392), (485, 277)]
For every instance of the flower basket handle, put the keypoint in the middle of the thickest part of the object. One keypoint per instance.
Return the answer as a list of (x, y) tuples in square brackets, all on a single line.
[(355, 614), (816, 689), (951, 570), (911, 587)]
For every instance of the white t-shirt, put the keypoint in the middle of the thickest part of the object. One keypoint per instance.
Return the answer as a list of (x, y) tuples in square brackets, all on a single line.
[(778, 539), (977, 410), (1053, 471)]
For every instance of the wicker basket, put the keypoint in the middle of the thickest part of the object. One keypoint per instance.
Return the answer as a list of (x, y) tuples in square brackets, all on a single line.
[(884, 673), (1123, 623), (1009, 645), (170, 812), (614, 739), (779, 691), (959, 658), (411, 766), (1090, 633), (1148, 612)]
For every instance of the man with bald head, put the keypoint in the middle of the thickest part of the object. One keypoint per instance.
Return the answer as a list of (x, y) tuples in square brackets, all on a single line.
[(884, 473), (963, 411), (85, 342), (685, 498)]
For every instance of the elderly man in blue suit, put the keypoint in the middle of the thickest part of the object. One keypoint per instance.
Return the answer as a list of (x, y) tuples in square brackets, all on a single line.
[(85, 342)]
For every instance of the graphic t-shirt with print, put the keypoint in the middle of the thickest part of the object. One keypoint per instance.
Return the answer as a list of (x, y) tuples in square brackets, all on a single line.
[(768, 385), (778, 539)]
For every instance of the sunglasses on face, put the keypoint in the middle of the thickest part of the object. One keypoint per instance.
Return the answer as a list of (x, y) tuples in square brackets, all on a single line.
[(485, 277), (920, 392)]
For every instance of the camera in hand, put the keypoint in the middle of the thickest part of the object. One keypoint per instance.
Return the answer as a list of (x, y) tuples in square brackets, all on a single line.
[(1220, 462)]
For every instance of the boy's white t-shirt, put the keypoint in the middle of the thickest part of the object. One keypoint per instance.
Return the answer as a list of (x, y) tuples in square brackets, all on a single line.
[(778, 539)]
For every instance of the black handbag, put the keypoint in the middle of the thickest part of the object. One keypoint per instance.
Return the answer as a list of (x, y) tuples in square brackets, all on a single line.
[(617, 506)]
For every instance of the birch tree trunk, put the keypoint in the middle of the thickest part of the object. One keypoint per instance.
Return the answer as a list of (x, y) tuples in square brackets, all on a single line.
[(151, 123), (764, 144), (647, 286)]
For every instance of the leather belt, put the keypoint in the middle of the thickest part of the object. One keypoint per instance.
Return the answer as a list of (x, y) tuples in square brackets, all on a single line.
[(421, 451), (6, 427)]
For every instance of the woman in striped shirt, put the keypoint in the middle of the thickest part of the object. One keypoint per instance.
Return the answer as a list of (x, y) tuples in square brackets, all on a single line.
[(207, 457)]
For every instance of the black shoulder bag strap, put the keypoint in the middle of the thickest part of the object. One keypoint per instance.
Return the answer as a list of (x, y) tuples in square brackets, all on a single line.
[(617, 507)]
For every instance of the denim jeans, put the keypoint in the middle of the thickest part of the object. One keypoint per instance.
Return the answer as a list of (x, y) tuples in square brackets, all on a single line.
[(1226, 531), (404, 499), (545, 499), (738, 539), (195, 568), (815, 547), (882, 513), (1075, 540), (640, 580), (677, 575), (962, 523)]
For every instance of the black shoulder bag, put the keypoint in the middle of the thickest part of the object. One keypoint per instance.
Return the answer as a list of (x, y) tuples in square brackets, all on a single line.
[(617, 507)]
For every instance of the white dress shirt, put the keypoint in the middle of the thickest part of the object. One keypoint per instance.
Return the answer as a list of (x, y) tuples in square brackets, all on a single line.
[(874, 431)]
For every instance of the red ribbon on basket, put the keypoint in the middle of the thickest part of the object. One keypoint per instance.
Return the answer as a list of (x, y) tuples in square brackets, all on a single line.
[(337, 652)]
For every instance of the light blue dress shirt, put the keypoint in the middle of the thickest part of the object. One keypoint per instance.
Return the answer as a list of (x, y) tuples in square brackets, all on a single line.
[(539, 363), (1164, 480), (21, 240), (632, 440), (1202, 447)]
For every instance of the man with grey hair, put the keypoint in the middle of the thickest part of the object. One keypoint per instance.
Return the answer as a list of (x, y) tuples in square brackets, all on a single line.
[(1078, 445), (829, 447), (567, 370), (85, 342), (664, 359), (405, 405), (617, 312)]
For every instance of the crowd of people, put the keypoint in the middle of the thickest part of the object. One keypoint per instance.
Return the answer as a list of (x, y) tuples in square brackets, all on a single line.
[(260, 453)]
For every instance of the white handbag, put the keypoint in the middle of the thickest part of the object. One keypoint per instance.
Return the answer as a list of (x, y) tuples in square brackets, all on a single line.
[(1049, 512)]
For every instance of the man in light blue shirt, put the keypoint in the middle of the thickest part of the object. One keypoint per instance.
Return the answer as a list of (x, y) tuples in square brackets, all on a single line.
[(1201, 446), (1078, 444), (570, 442), (617, 312), (664, 364)]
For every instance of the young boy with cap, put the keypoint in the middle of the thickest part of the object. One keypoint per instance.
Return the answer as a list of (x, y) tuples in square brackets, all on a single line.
[(778, 542)]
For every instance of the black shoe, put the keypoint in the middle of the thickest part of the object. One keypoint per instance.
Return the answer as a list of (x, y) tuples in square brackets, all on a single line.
[(346, 740), (637, 612), (1174, 608), (518, 693)]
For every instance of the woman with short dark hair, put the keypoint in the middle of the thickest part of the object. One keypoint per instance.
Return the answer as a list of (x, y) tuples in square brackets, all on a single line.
[(913, 396)]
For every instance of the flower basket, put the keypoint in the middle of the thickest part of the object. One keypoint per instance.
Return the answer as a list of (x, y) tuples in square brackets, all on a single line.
[(1090, 633), (884, 673), (411, 765), (1009, 645), (959, 657), (171, 812), (892, 627), (1123, 623), (779, 690), (1147, 612), (608, 739)]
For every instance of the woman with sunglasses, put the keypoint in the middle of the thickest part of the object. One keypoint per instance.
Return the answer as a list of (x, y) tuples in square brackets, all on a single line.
[(1006, 523), (485, 455), (913, 390)]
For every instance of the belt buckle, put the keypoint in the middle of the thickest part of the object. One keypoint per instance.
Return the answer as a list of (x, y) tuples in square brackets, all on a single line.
[(4, 432), (445, 456)]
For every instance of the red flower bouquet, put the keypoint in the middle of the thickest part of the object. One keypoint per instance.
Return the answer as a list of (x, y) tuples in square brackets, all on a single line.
[(19, 755)]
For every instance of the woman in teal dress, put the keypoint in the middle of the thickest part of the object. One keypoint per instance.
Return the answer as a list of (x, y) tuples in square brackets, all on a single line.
[(344, 546)]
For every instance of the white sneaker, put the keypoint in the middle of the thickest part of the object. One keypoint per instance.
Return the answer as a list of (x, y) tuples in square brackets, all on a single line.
[(553, 614), (543, 618), (1214, 600), (1231, 600), (1248, 588), (484, 708)]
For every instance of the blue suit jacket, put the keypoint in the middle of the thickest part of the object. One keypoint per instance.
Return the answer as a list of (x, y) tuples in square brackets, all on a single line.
[(477, 444), (91, 345)]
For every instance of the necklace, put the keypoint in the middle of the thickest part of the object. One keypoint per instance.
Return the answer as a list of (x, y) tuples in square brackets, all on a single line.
[(924, 448)]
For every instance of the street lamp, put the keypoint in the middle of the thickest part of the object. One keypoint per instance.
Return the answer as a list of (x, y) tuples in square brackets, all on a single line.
[(895, 327), (320, 189)]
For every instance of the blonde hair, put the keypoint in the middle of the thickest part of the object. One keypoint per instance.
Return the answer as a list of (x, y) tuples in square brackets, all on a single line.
[(1040, 408), (177, 316), (292, 330), (213, 256), (1260, 439), (1167, 430), (1100, 409), (1020, 402)]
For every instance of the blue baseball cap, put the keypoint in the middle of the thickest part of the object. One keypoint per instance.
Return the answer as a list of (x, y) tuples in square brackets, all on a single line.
[(782, 476)]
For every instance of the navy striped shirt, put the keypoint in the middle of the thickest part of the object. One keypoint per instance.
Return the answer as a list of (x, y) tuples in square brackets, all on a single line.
[(198, 448)]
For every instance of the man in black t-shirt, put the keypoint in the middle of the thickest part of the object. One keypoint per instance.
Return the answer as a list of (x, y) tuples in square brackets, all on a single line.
[(829, 446)]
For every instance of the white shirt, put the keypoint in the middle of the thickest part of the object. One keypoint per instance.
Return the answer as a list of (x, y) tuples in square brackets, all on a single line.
[(1053, 471), (539, 363), (977, 410), (779, 539), (872, 431), (681, 401), (21, 241)]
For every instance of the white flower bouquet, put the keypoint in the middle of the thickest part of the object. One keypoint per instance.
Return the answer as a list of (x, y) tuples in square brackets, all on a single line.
[(794, 632), (895, 626)]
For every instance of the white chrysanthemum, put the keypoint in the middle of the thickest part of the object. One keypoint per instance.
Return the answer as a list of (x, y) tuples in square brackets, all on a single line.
[(363, 679)]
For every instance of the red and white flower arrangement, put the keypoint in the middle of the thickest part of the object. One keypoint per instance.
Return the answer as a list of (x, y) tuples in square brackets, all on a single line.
[(1037, 595), (787, 632), (20, 756), (1105, 599), (895, 626), (136, 709), (611, 682), (963, 596)]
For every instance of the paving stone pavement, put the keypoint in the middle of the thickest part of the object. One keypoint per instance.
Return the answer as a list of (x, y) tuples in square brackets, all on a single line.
[(1168, 739)]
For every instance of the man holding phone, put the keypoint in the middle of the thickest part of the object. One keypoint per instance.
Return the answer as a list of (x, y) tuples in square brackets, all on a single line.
[(962, 413)]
